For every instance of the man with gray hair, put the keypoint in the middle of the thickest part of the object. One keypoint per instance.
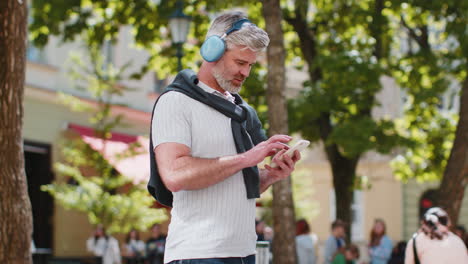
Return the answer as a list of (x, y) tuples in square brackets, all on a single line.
[(207, 143)]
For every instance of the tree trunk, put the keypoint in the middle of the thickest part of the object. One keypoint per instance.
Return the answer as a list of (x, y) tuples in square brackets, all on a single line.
[(15, 207), (343, 172), (284, 246), (455, 179)]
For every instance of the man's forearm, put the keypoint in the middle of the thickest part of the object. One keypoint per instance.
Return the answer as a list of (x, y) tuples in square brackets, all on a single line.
[(180, 171), (190, 173)]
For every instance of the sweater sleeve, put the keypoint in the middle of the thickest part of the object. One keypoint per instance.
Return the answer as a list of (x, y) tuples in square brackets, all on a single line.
[(255, 126)]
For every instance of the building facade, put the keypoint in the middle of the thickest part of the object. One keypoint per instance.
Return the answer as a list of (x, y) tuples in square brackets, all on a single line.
[(47, 119)]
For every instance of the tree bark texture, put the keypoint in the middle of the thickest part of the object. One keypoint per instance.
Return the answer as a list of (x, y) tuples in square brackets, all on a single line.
[(15, 207), (455, 179), (284, 224)]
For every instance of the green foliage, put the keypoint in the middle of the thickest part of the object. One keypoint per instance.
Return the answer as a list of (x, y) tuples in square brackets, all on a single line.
[(88, 182), (427, 158), (422, 44), (148, 20), (99, 21), (348, 82), (435, 59)]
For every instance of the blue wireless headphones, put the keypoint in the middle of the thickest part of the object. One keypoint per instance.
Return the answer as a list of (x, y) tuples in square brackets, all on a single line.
[(214, 47)]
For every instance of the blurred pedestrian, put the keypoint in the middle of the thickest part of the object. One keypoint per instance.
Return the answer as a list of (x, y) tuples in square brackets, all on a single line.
[(460, 231), (347, 255), (335, 241), (260, 230), (268, 234), (104, 246), (155, 245), (304, 245), (398, 253), (434, 243), (380, 245), (134, 248)]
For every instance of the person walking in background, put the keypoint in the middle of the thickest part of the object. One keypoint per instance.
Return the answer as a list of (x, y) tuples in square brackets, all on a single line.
[(304, 245), (380, 245), (104, 246), (335, 241), (348, 255), (260, 230), (134, 248), (268, 234), (434, 243), (155, 245)]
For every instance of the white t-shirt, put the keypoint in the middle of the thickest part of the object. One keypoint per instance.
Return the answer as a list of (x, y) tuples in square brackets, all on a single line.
[(218, 221), (136, 247), (449, 250), (108, 249)]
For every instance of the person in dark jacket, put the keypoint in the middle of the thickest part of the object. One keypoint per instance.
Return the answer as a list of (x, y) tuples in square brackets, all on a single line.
[(398, 253)]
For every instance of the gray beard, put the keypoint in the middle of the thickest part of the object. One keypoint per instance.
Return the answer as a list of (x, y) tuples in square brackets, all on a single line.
[(225, 84)]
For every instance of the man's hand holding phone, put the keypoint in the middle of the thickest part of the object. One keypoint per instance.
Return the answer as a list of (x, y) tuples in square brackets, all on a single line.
[(299, 146)]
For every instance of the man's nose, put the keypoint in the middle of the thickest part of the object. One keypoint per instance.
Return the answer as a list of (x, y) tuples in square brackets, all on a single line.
[(245, 71)]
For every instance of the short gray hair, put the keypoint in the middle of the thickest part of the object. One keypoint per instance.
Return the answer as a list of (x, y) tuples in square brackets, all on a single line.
[(249, 35)]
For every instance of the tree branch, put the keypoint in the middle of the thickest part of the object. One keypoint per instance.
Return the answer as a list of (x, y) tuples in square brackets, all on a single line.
[(423, 39), (307, 40)]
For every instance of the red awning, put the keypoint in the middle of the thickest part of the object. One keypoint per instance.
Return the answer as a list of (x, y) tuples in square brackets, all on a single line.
[(136, 168)]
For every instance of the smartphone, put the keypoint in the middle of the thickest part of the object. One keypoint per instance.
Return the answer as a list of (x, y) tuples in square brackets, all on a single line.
[(299, 146)]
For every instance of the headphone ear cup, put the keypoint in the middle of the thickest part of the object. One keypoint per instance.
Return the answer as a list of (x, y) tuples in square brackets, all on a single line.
[(213, 48)]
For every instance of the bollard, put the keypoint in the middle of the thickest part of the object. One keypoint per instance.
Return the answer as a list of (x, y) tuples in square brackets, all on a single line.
[(262, 255)]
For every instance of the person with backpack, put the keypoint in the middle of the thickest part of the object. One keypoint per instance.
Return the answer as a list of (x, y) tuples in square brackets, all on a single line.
[(434, 243), (205, 144)]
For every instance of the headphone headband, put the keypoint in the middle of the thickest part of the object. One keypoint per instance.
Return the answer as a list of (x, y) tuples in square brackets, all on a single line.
[(214, 47), (237, 25)]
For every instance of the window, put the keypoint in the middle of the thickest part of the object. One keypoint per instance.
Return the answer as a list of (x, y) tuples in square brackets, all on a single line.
[(34, 53), (107, 53), (450, 99)]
